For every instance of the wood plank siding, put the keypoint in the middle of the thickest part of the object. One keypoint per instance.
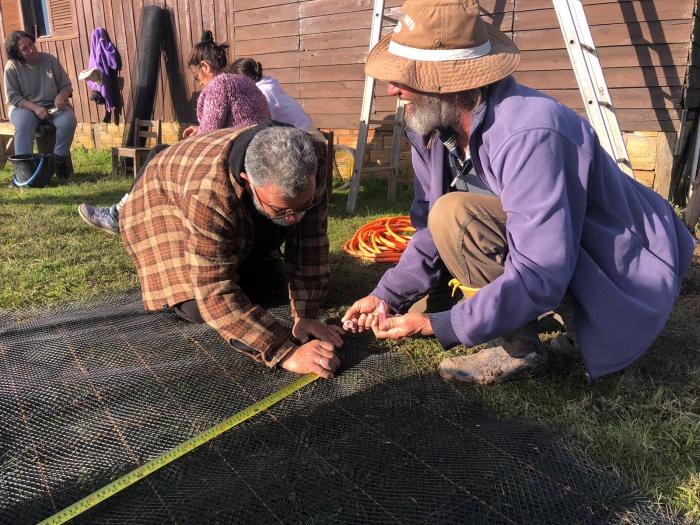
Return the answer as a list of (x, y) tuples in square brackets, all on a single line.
[(316, 48)]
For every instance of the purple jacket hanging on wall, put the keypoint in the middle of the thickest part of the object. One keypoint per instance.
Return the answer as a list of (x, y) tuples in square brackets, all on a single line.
[(103, 56)]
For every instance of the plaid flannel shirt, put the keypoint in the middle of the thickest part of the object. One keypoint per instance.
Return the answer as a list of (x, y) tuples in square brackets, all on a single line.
[(187, 229)]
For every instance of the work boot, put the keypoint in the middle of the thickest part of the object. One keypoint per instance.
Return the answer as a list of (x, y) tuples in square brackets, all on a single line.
[(566, 343), (517, 355), (60, 165)]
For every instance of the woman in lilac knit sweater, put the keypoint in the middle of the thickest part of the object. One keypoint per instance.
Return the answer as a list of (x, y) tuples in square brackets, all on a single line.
[(226, 100)]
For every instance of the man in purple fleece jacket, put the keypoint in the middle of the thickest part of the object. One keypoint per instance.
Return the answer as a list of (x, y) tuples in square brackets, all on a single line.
[(514, 195)]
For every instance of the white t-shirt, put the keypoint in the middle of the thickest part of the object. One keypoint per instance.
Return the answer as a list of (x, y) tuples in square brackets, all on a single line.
[(283, 107)]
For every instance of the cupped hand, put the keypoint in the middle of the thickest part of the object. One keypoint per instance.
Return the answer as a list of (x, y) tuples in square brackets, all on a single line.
[(305, 329), (400, 326), (189, 131), (60, 102), (361, 314), (315, 357), (40, 112)]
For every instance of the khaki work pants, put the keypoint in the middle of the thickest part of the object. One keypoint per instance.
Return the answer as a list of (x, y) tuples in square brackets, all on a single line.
[(469, 231)]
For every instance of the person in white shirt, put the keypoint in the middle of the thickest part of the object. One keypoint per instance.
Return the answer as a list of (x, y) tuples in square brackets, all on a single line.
[(282, 107)]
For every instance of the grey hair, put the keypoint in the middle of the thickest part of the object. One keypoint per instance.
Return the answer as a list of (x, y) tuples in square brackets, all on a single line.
[(453, 105), (468, 99), (283, 156)]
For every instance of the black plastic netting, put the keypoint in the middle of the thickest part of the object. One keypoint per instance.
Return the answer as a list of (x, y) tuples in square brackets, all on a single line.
[(89, 392), (145, 83)]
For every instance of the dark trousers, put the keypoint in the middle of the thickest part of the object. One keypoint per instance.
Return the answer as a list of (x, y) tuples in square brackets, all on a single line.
[(263, 279)]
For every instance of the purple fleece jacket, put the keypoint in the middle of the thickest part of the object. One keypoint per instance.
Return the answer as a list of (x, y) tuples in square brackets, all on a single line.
[(574, 222), (103, 56)]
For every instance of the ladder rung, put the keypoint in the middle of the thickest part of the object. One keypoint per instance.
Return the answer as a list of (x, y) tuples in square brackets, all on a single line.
[(377, 168), (366, 112), (590, 79)]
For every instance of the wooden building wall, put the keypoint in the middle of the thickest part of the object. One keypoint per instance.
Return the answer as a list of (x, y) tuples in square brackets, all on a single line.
[(319, 46), (317, 49)]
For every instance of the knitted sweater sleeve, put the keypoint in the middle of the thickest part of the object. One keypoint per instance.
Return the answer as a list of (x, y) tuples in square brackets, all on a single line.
[(214, 110)]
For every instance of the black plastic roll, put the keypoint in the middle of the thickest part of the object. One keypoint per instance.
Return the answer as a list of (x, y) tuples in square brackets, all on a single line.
[(148, 62)]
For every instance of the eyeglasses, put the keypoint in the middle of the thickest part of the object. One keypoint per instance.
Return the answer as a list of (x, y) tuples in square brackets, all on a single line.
[(196, 70), (281, 213)]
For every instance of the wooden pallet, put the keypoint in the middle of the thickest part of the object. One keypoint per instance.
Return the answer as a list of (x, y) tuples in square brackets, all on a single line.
[(6, 147)]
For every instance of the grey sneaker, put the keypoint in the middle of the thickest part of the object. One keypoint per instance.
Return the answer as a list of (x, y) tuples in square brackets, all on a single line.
[(100, 218)]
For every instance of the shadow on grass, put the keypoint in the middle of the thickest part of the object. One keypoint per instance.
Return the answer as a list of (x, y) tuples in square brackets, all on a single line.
[(46, 196), (91, 178), (673, 361)]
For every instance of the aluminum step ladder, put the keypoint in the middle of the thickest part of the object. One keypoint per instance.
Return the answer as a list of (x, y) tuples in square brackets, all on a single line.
[(590, 80), (397, 123)]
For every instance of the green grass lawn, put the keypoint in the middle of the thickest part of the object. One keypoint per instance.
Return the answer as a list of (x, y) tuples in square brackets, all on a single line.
[(643, 423)]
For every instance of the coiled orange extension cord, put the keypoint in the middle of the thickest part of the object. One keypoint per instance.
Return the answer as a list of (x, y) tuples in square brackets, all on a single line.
[(381, 240)]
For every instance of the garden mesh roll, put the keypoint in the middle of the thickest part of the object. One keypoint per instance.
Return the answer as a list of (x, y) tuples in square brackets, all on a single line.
[(89, 392), (145, 82)]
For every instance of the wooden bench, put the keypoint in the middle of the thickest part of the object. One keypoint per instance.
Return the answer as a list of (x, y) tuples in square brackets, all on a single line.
[(6, 147), (45, 140)]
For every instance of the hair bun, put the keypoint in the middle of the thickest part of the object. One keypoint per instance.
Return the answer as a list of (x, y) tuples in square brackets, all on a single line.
[(207, 37)]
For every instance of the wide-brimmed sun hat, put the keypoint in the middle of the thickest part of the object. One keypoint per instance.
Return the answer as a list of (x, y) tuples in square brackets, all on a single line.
[(443, 46)]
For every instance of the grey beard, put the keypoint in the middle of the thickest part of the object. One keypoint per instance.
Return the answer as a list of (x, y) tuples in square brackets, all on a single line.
[(429, 113)]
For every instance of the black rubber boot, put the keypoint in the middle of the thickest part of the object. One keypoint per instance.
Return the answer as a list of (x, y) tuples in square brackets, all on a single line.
[(60, 165)]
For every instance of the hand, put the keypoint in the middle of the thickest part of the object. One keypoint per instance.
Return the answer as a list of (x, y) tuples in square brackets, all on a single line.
[(40, 112), (189, 131), (400, 326), (60, 102), (315, 357), (305, 329), (362, 314)]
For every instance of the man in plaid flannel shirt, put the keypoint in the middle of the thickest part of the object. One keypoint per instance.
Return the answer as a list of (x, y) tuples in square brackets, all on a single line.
[(204, 226)]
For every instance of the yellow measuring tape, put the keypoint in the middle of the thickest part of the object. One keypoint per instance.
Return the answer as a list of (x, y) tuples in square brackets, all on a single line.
[(171, 455)]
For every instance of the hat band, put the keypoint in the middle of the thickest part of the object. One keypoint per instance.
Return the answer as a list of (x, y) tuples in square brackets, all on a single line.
[(439, 55)]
